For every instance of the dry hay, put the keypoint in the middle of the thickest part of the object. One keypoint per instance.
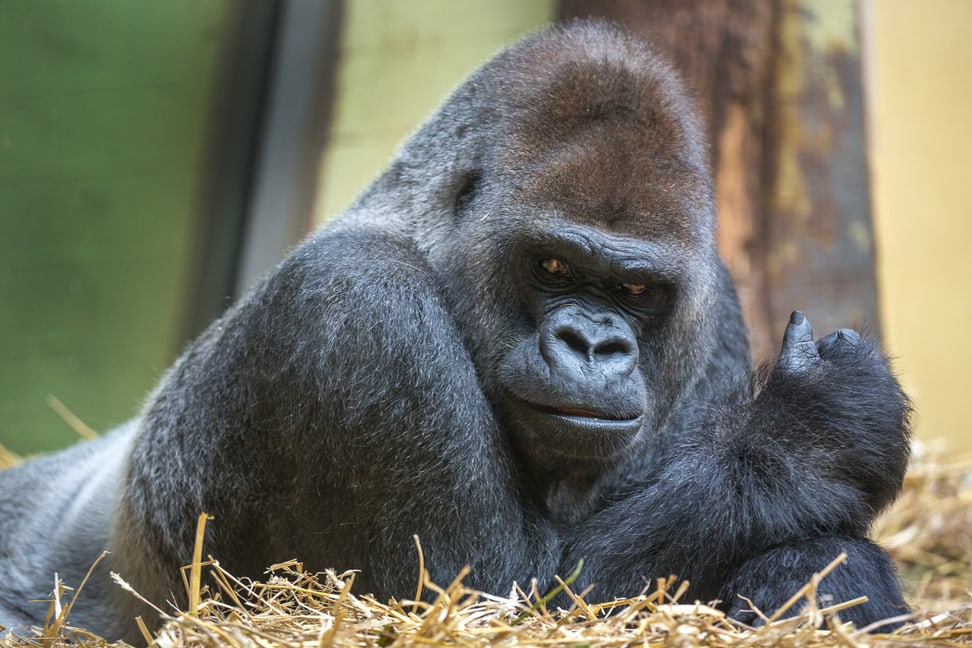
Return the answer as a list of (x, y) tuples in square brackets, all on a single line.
[(929, 532), (8, 458)]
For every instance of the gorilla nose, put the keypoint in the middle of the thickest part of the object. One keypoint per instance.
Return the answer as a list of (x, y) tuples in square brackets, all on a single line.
[(593, 347), (579, 344)]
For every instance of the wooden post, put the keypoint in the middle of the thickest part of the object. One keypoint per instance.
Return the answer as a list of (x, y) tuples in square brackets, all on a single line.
[(819, 236)]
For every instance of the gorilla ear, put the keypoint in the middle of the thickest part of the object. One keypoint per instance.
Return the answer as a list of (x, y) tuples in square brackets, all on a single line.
[(466, 191)]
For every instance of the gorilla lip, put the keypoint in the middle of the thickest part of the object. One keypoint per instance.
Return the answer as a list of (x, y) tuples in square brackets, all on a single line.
[(581, 413), (578, 432), (588, 417)]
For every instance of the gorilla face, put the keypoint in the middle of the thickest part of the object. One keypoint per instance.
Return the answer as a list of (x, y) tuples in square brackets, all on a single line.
[(571, 383), (594, 274)]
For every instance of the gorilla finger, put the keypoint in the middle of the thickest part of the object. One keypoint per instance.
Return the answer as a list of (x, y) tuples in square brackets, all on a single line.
[(799, 350), (838, 341)]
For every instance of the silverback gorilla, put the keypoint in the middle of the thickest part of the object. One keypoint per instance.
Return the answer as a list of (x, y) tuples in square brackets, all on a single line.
[(520, 345)]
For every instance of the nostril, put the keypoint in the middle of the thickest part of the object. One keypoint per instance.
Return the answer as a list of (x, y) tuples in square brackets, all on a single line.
[(610, 348), (574, 340)]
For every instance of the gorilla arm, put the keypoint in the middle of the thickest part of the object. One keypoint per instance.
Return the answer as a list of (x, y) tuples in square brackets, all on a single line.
[(785, 479), (331, 416)]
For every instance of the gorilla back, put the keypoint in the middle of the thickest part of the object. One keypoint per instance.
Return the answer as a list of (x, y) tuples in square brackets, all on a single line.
[(520, 345)]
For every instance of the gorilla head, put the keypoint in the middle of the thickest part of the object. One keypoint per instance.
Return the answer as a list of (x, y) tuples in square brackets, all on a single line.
[(562, 198)]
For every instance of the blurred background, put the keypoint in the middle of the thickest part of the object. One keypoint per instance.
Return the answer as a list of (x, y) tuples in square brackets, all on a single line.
[(156, 157)]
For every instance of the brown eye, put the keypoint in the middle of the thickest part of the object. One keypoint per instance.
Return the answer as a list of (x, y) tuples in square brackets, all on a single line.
[(555, 267), (634, 289)]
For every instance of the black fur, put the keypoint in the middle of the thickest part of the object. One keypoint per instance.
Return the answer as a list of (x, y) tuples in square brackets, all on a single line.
[(520, 345)]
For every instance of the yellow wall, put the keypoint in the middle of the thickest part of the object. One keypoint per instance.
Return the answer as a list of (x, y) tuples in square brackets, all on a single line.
[(438, 42), (920, 74)]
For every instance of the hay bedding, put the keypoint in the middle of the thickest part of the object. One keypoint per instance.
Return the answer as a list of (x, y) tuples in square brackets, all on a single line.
[(929, 531)]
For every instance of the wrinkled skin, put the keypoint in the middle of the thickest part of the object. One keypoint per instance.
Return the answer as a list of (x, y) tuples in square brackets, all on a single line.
[(520, 345)]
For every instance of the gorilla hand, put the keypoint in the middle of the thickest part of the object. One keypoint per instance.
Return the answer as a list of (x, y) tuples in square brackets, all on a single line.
[(842, 420), (799, 350), (841, 391)]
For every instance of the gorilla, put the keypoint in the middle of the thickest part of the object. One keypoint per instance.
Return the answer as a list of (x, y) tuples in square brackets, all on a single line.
[(520, 345)]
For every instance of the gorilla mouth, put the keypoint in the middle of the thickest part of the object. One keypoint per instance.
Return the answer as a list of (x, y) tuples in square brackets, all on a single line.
[(580, 432), (592, 419), (575, 431), (577, 412)]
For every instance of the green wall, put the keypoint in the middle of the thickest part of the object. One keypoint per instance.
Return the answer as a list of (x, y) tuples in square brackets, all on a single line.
[(102, 106)]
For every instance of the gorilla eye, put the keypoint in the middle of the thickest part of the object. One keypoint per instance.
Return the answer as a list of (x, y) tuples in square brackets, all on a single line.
[(646, 297), (555, 267)]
